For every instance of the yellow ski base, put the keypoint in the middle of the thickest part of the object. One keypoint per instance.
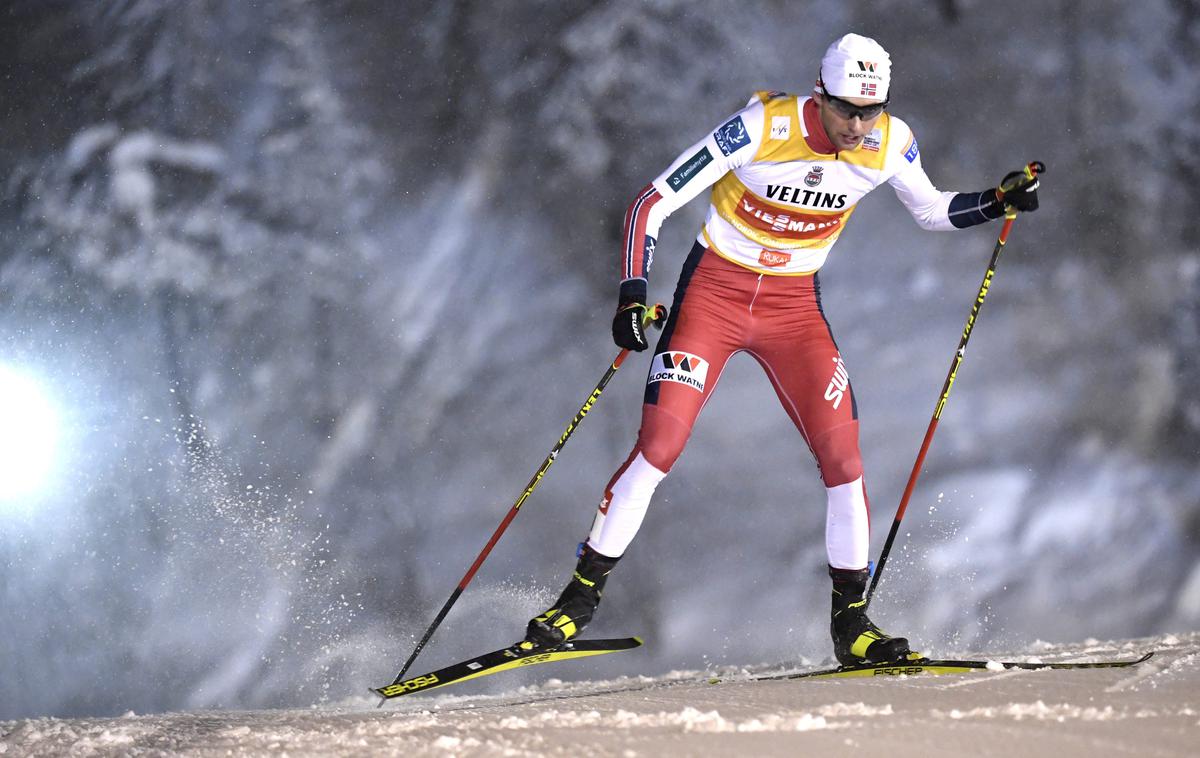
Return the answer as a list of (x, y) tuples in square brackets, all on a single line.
[(505, 659)]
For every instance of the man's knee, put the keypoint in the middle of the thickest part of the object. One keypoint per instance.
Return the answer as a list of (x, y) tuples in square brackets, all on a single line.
[(838, 455), (662, 437)]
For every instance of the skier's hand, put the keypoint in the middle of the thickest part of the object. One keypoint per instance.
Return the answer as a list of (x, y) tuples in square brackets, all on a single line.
[(1019, 189), (628, 327)]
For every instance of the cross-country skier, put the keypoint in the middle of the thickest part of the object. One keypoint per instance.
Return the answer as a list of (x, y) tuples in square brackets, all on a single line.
[(786, 173)]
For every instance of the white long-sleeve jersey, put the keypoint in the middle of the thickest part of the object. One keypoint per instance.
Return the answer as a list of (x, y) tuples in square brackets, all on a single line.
[(777, 205)]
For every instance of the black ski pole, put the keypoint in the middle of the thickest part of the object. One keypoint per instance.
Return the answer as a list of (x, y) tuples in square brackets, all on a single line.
[(654, 316), (1031, 170)]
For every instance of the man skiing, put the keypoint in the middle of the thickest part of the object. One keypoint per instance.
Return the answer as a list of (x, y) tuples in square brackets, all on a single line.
[(786, 173)]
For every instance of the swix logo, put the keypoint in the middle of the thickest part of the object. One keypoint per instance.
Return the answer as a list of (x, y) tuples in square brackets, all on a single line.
[(866, 65), (678, 366), (774, 258), (814, 176), (838, 383)]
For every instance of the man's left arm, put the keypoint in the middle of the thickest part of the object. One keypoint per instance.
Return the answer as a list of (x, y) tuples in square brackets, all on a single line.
[(940, 211)]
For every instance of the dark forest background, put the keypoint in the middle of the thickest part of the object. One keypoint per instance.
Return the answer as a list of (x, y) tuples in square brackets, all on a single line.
[(317, 285)]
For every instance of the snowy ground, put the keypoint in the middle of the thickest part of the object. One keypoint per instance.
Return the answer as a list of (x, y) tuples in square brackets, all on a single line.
[(1150, 710)]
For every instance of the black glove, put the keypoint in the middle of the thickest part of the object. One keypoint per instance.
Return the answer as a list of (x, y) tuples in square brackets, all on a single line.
[(1019, 191), (627, 328)]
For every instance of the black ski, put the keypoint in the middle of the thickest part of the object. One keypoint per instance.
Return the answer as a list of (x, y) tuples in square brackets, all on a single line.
[(503, 660), (928, 666)]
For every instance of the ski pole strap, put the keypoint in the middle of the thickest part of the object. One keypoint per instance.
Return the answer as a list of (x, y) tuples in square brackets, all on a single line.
[(654, 316), (1031, 171)]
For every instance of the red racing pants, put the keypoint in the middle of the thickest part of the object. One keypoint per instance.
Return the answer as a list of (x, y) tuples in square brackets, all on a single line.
[(721, 309)]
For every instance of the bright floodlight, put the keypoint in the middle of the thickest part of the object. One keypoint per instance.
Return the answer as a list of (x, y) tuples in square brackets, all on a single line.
[(28, 432)]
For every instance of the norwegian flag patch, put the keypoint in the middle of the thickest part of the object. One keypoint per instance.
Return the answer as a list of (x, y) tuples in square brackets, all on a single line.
[(868, 90)]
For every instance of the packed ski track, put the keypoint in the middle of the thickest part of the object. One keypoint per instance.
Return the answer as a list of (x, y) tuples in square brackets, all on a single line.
[(1150, 710)]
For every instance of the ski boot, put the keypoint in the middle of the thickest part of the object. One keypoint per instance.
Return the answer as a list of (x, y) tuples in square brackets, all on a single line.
[(574, 607), (856, 640)]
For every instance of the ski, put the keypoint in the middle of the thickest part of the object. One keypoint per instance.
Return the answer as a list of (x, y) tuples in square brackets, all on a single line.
[(930, 666), (504, 660)]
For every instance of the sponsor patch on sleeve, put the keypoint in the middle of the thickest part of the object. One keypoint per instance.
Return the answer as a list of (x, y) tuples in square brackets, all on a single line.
[(689, 169), (911, 152), (732, 136)]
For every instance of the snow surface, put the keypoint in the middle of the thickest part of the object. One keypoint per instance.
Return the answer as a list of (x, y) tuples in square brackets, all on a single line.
[(320, 284), (1150, 710)]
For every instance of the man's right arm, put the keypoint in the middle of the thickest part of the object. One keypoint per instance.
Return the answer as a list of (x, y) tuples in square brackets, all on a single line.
[(731, 145)]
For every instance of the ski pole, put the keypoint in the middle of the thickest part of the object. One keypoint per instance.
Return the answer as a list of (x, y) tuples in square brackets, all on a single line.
[(653, 317), (1031, 170)]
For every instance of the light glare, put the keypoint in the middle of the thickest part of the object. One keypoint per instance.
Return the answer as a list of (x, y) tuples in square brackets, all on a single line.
[(28, 436)]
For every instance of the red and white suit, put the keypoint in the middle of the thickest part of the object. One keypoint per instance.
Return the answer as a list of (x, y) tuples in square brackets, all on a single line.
[(780, 198)]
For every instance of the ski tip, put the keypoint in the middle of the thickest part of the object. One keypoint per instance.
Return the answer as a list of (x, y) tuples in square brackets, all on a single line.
[(524, 647), (614, 643)]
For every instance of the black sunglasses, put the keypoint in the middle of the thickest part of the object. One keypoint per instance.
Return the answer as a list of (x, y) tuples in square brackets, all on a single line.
[(849, 110)]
